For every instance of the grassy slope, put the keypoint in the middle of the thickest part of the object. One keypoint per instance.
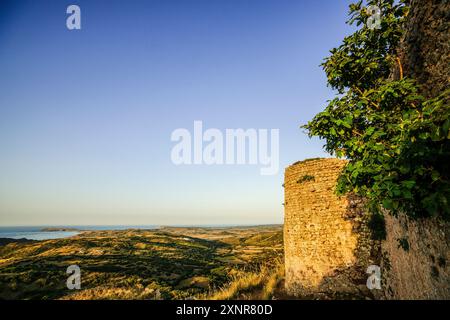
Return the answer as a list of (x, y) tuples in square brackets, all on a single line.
[(170, 263)]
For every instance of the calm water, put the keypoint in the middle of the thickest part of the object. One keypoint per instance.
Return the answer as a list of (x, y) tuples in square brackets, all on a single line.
[(36, 233)]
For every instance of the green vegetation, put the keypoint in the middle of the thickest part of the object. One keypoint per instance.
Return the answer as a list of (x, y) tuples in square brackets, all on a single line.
[(397, 142), (306, 178), (261, 283), (377, 226), (169, 263)]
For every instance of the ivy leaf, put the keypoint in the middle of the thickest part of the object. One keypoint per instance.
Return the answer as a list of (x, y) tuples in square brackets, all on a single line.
[(387, 203)]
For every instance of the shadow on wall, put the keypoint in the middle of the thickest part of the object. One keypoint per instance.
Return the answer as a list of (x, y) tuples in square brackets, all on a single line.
[(328, 244)]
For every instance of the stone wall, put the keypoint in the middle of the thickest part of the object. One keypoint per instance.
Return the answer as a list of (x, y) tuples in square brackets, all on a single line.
[(327, 242), (326, 239), (421, 271), (415, 258), (425, 49)]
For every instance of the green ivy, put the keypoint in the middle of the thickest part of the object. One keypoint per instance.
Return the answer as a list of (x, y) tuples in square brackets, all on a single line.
[(377, 226), (396, 141)]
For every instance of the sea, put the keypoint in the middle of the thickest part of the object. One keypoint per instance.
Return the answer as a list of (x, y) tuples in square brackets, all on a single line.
[(37, 233)]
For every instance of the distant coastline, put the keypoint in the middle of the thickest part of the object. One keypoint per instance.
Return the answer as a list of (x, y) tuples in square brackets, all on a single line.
[(56, 229), (56, 232)]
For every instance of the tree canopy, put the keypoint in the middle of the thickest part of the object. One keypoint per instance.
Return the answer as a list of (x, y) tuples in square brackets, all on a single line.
[(396, 141)]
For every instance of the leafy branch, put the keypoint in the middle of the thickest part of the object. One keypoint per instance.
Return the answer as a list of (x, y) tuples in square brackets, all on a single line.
[(397, 142)]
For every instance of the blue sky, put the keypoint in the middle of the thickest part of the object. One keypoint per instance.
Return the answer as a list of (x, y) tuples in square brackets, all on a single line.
[(86, 115)]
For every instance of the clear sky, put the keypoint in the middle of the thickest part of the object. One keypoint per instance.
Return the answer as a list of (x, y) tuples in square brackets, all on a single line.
[(86, 115)]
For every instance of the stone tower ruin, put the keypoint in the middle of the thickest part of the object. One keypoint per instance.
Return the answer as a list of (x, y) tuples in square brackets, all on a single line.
[(327, 242)]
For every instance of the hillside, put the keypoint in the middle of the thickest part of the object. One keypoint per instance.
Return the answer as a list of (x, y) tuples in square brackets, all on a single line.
[(169, 263)]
